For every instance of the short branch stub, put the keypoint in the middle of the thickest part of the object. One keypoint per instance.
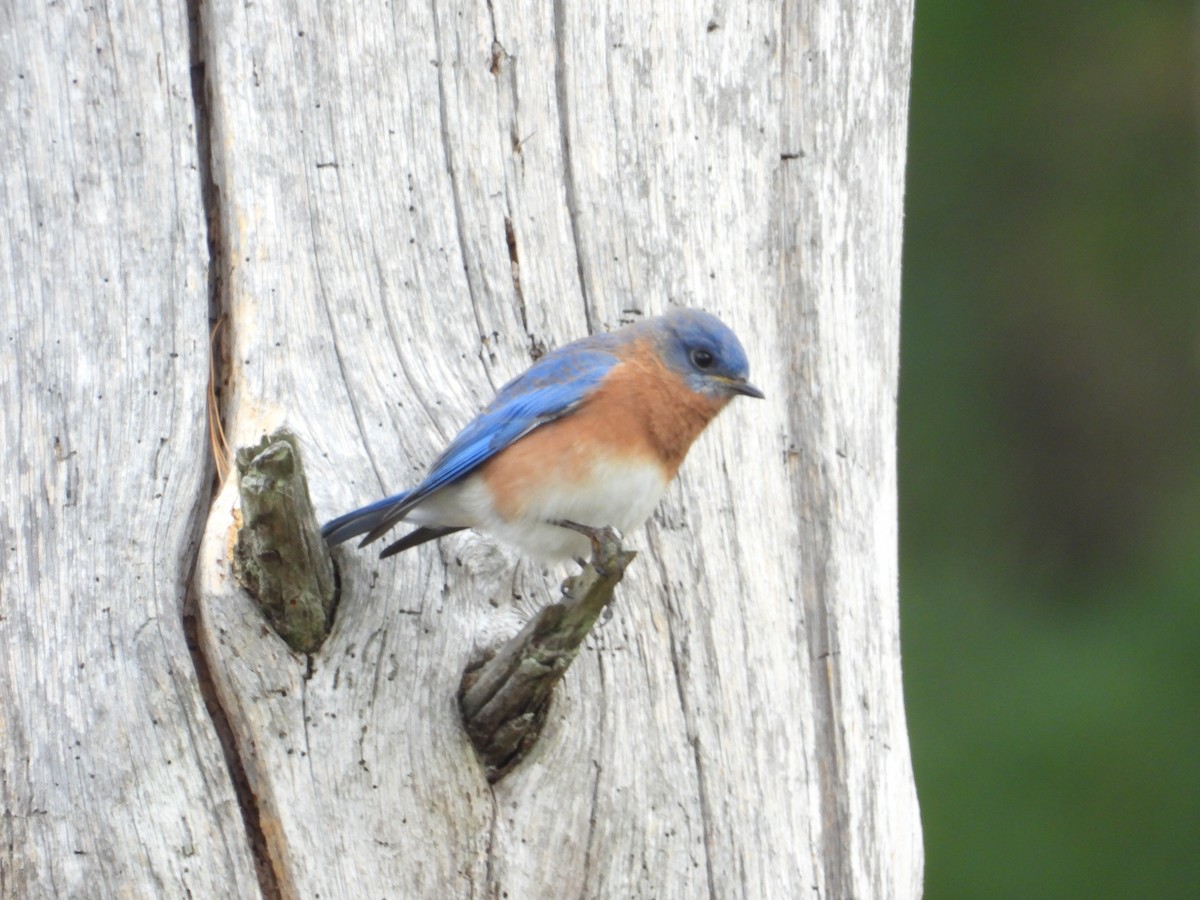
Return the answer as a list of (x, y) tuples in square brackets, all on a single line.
[(280, 557), (504, 698)]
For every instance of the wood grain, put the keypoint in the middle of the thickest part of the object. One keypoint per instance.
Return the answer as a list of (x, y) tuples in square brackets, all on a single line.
[(409, 203), (111, 776)]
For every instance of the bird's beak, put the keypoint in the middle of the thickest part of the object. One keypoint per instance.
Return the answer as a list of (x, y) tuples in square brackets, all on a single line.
[(740, 386)]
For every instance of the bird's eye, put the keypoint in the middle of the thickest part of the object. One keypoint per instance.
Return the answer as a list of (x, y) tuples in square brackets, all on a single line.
[(703, 359)]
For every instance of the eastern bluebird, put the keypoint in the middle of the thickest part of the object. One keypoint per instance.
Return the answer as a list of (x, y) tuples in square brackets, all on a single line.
[(591, 434)]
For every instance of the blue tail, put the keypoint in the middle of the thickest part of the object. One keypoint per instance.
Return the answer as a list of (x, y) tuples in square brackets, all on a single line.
[(361, 521)]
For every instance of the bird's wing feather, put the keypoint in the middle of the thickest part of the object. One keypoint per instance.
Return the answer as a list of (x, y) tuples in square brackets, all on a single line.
[(416, 538), (360, 521), (558, 383), (554, 386)]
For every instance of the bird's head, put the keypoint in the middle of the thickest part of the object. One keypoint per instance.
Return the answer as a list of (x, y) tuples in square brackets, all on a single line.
[(705, 353)]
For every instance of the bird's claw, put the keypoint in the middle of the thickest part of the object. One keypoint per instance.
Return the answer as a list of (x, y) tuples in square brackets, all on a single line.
[(605, 540)]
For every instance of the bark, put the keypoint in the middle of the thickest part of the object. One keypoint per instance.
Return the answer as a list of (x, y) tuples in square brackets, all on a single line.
[(112, 778)]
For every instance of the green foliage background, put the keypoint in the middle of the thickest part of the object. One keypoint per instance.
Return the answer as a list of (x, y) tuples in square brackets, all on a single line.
[(1050, 448)]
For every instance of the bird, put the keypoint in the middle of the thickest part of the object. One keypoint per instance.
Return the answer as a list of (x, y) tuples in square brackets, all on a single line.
[(588, 438)]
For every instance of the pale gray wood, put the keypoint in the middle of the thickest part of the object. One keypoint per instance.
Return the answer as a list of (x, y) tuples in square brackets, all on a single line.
[(844, 108), (112, 780), (737, 729)]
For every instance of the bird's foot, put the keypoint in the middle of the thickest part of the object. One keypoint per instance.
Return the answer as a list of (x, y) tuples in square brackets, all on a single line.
[(605, 541)]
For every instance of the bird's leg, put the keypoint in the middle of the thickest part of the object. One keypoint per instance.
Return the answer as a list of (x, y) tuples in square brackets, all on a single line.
[(598, 535), (605, 540)]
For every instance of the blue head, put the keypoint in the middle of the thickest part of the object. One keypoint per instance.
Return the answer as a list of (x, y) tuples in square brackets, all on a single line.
[(705, 353)]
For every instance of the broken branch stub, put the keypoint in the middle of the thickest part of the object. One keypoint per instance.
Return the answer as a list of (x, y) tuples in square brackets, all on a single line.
[(280, 557), (504, 698)]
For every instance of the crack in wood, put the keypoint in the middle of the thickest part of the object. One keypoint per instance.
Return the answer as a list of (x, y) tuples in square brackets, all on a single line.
[(679, 664), (564, 133), (510, 238), (219, 374)]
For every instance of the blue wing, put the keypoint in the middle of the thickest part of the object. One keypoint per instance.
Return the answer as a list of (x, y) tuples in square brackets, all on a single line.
[(550, 389)]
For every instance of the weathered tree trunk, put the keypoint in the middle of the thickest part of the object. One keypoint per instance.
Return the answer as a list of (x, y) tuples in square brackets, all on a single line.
[(405, 203), (111, 776)]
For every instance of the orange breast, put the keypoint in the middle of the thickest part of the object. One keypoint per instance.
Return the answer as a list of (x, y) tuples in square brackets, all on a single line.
[(642, 412)]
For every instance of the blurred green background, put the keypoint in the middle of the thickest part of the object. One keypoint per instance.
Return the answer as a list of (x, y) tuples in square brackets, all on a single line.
[(1050, 448)]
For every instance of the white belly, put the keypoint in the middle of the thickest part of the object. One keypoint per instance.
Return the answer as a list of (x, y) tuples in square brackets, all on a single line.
[(616, 495)]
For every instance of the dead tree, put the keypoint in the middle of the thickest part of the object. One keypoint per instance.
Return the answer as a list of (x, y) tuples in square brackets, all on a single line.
[(388, 210)]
